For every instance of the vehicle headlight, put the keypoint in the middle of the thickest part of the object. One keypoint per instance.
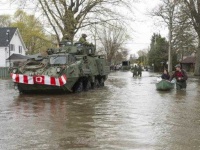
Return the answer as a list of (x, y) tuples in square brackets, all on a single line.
[(58, 70), (14, 70)]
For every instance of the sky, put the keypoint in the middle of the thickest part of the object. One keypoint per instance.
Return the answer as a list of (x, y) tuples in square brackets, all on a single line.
[(142, 28)]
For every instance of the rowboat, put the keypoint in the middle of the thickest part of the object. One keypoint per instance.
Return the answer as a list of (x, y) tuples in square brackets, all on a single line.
[(164, 85)]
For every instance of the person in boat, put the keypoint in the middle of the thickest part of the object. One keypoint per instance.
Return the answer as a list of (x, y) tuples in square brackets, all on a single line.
[(181, 77), (165, 75)]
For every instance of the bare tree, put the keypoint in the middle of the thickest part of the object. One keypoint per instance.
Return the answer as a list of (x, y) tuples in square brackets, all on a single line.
[(67, 17), (194, 9), (142, 56), (113, 38), (167, 12), (184, 41)]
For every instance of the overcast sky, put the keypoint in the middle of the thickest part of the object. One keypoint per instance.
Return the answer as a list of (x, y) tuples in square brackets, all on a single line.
[(143, 26)]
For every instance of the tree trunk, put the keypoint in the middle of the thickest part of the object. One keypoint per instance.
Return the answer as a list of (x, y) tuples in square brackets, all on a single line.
[(69, 25), (197, 63)]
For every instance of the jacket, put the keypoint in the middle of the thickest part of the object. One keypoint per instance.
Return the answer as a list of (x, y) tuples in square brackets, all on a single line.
[(180, 74), (165, 76)]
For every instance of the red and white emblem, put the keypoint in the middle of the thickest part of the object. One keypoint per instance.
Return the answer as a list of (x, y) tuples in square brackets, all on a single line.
[(20, 78)]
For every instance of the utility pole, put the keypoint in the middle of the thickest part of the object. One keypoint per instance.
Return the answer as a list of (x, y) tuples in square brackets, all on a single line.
[(171, 12), (183, 52), (95, 40), (8, 40)]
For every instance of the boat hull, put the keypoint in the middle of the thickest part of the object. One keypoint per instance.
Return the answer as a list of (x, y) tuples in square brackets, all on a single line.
[(164, 85)]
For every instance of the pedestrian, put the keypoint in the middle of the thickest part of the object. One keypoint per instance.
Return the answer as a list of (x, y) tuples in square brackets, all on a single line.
[(165, 75), (134, 70), (181, 77), (139, 71)]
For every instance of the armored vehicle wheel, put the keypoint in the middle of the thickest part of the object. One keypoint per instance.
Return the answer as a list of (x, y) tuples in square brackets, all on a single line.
[(101, 82), (95, 84), (87, 85), (78, 87)]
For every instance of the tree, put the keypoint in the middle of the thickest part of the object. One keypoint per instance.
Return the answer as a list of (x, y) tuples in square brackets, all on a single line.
[(181, 24), (32, 32), (121, 55), (193, 7), (158, 52), (133, 58), (5, 20), (142, 59), (184, 41), (113, 38), (69, 16), (167, 12)]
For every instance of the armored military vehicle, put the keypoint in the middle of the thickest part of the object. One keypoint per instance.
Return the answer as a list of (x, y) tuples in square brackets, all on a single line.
[(69, 68)]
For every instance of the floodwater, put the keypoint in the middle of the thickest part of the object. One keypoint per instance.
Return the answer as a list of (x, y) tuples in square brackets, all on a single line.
[(128, 113)]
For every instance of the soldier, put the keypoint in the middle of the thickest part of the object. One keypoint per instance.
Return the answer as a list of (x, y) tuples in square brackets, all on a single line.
[(83, 40), (134, 71), (139, 71), (181, 77)]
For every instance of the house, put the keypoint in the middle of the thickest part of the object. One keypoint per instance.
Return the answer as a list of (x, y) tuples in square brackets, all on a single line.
[(188, 63), (11, 42)]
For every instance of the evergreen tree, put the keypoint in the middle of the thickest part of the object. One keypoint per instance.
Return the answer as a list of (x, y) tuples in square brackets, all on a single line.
[(158, 54)]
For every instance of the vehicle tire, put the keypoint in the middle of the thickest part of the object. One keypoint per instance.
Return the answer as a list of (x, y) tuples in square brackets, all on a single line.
[(78, 87), (101, 82), (87, 85), (95, 84)]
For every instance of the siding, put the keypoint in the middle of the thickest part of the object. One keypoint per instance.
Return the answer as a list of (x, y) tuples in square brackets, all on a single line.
[(2, 57), (16, 41), (4, 73)]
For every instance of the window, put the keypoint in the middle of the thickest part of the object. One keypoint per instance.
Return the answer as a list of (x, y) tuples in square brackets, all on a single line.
[(6, 49), (58, 60), (12, 47), (20, 49)]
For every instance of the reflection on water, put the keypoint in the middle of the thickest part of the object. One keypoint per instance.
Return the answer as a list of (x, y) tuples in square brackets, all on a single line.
[(128, 113)]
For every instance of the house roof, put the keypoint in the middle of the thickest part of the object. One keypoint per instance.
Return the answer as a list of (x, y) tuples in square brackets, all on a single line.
[(17, 56), (4, 37), (189, 60)]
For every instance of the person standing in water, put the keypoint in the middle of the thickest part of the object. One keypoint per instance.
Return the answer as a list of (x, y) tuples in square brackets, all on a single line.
[(181, 77)]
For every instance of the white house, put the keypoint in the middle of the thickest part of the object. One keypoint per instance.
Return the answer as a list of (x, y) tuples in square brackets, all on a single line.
[(10, 36)]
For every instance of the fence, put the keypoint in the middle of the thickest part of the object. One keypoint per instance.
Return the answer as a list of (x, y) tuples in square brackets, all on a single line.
[(4, 74)]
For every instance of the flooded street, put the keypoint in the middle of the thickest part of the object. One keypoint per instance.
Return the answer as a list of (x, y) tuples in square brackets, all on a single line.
[(128, 113)]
